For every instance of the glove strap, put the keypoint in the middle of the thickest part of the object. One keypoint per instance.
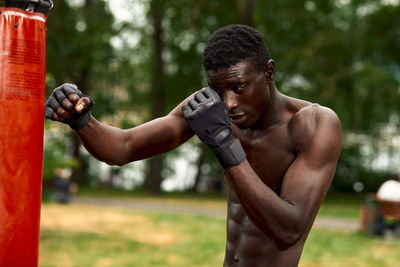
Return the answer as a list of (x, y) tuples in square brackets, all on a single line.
[(231, 154), (80, 122)]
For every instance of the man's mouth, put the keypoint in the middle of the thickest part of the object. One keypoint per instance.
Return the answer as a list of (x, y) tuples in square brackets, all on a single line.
[(235, 118)]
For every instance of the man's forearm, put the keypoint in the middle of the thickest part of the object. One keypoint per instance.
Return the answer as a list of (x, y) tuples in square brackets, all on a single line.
[(118, 147), (104, 142), (279, 219)]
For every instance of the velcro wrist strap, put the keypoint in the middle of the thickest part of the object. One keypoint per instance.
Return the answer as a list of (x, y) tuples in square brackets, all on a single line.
[(80, 122), (231, 154)]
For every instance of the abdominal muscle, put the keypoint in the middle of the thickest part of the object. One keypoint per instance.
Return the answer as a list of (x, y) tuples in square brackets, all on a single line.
[(247, 245)]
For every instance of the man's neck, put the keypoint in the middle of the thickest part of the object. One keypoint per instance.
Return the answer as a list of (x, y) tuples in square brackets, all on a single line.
[(274, 112)]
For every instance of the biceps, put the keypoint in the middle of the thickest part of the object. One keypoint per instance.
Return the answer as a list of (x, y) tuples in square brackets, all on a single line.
[(310, 175), (305, 185), (308, 178)]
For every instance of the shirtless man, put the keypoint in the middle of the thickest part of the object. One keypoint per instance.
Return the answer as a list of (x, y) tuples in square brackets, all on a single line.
[(279, 153)]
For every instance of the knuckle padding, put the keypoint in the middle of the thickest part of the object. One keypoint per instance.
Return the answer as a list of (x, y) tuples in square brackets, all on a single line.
[(200, 97), (209, 120), (70, 89), (76, 121), (53, 103), (187, 112), (48, 111), (212, 94), (193, 104), (59, 95)]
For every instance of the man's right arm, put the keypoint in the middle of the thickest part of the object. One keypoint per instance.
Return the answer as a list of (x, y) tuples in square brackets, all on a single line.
[(117, 146)]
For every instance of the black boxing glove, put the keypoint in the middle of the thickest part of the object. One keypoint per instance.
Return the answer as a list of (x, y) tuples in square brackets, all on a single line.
[(208, 117), (76, 120)]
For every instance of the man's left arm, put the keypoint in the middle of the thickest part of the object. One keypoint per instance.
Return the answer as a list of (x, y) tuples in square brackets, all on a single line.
[(286, 217)]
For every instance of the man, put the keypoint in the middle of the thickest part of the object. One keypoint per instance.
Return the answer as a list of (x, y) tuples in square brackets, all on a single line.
[(279, 153)]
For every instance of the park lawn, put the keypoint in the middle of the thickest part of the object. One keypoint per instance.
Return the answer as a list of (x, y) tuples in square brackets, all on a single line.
[(338, 205), (80, 235), (341, 205), (329, 248)]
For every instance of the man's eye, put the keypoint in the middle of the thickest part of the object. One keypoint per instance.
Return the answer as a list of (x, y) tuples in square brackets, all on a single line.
[(238, 88)]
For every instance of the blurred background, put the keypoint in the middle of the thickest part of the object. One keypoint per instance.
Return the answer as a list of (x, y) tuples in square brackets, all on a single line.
[(139, 58)]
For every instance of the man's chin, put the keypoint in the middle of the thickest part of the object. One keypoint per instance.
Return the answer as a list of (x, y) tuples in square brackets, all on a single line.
[(241, 125), (245, 123)]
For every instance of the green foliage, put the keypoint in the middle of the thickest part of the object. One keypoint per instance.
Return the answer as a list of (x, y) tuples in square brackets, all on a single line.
[(351, 169), (336, 54), (341, 54), (79, 49), (55, 152), (188, 26)]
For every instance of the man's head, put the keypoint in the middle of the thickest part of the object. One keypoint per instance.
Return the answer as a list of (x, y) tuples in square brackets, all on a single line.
[(233, 44), (238, 67)]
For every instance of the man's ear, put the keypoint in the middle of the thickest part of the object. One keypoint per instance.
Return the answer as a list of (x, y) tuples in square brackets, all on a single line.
[(270, 70)]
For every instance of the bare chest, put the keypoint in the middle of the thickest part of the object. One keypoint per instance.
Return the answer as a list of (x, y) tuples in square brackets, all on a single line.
[(269, 154)]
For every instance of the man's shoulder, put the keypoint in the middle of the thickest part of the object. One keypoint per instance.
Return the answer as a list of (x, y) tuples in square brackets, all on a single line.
[(314, 115), (312, 119)]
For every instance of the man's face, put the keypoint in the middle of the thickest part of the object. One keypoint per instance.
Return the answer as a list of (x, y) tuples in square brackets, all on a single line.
[(244, 91)]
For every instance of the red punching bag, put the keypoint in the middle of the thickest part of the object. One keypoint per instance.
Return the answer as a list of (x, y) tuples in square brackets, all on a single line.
[(22, 93)]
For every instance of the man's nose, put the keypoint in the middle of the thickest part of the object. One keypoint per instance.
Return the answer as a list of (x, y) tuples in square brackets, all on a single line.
[(230, 100)]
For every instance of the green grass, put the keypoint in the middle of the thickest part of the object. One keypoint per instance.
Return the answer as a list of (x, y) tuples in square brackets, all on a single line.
[(342, 205), (80, 235), (335, 249), (93, 236)]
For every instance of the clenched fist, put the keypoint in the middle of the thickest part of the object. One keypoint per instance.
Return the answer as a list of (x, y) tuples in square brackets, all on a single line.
[(208, 117), (67, 104)]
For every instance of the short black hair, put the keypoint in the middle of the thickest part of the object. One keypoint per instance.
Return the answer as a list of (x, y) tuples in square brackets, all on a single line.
[(234, 43)]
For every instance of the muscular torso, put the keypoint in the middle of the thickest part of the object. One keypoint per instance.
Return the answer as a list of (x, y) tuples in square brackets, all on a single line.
[(270, 154)]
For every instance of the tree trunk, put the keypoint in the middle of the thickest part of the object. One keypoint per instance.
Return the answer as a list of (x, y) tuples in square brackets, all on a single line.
[(82, 81), (155, 166), (76, 175), (200, 161), (246, 13)]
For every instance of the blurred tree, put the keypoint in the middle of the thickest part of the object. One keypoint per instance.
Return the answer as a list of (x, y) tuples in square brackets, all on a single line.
[(344, 55), (55, 153), (246, 12), (178, 35), (79, 51), (155, 164), (341, 54)]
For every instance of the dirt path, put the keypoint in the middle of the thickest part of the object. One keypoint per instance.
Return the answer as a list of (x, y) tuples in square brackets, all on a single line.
[(192, 209)]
